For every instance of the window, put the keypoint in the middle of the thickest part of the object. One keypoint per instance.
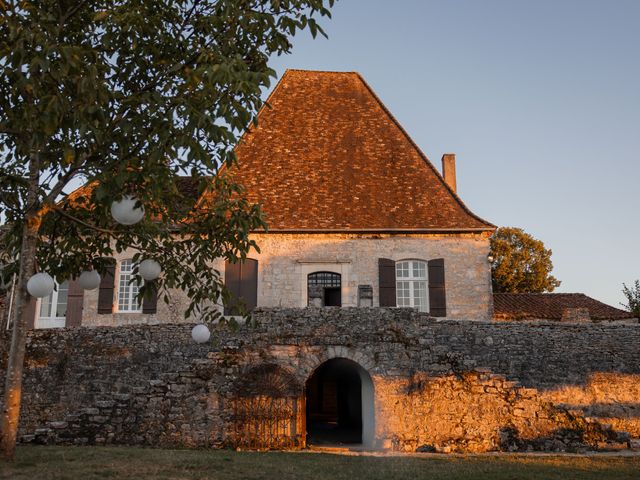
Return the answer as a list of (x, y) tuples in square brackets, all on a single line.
[(128, 289), (411, 284), (53, 309), (324, 286)]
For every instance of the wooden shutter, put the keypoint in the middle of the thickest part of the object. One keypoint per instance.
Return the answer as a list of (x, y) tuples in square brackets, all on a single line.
[(241, 279), (150, 300), (249, 283), (387, 281), (437, 290), (30, 312), (232, 282), (75, 299), (107, 285)]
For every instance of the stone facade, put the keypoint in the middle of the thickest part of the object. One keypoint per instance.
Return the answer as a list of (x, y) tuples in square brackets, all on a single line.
[(172, 312), (438, 385), (285, 260)]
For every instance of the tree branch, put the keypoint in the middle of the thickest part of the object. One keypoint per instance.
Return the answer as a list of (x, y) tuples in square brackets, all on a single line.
[(72, 11), (75, 219)]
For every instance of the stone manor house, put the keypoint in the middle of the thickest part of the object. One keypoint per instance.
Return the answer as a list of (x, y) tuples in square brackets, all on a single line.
[(358, 217), (357, 214)]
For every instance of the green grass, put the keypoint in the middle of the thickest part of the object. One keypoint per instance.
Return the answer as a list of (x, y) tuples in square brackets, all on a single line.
[(89, 463)]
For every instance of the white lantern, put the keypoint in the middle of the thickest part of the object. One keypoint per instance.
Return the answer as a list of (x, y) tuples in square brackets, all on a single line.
[(149, 269), (40, 285), (200, 333), (125, 211), (89, 280)]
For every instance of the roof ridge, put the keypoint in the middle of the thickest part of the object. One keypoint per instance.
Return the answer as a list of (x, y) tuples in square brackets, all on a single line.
[(539, 293), (318, 71)]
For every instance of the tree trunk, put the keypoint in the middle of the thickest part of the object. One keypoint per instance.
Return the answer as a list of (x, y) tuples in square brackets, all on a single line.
[(13, 384)]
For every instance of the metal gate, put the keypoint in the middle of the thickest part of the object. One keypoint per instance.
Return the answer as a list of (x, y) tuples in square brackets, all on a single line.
[(268, 411), (264, 422)]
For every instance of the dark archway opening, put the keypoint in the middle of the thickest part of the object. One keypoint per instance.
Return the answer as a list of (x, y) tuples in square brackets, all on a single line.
[(334, 403)]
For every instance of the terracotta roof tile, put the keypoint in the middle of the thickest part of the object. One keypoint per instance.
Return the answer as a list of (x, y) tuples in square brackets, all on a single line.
[(550, 306), (189, 188), (327, 155)]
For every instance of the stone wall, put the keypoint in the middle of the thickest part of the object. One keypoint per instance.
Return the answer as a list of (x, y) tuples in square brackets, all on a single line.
[(439, 385), (285, 260)]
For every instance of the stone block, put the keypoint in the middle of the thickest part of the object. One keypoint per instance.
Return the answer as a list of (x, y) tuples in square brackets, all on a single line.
[(58, 425)]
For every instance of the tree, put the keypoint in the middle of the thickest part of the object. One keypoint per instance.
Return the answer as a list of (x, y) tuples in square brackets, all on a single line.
[(124, 96), (633, 298), (521, 263)]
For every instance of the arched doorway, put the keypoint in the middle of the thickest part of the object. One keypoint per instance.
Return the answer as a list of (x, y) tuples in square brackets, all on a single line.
[(324, 289), (339, 404)]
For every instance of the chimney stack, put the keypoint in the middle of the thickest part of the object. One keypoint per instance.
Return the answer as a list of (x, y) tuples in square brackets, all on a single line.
[(449, 170)]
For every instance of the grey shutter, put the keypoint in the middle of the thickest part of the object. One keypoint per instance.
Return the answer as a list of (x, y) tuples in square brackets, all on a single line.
[(387, 282), (75, 298), (241, 279), (107, 285), (150, 300), (437, 289)]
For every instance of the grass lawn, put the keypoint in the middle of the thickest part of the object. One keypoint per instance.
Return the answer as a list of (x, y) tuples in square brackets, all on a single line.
[(88, 463)]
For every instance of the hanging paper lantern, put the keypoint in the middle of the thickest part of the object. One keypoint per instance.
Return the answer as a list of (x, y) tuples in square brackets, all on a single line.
[(200, 333), (89, 280), (125, 211), (149, 269), (40, 285)]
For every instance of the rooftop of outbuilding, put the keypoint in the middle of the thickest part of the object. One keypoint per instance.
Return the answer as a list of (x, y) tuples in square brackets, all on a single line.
[(550, 306)]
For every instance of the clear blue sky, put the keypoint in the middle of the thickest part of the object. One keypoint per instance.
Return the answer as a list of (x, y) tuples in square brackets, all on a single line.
[(540, 100)]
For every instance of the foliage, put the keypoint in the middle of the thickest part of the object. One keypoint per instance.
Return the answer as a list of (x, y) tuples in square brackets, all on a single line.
[(124, 96), (521, 263), (633, 298)]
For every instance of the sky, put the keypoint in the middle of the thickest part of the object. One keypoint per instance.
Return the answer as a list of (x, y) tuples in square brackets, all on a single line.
[(539, 100)]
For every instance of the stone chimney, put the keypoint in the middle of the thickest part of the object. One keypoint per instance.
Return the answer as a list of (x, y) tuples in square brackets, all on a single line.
[(449, 170)]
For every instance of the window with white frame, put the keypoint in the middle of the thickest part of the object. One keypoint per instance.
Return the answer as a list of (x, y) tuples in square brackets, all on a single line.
[(411, 284), (53, 308), (128, 288)]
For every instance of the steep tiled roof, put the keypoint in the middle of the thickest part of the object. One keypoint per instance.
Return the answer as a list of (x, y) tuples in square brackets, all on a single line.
[(327, 155), (189, 188), (549, 306)]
